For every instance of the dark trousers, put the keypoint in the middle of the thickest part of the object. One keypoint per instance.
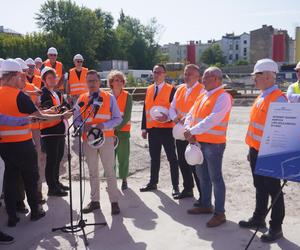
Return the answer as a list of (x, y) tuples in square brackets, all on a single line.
[(157, 138), (265, 187), (188, 172), (54, 147), (20, 160)]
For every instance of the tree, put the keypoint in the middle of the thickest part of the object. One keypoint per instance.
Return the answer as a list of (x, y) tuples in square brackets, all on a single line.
[(213, 55)]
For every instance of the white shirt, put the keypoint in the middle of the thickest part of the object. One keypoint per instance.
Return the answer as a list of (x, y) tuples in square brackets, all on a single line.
[(222, 107), (172, 109), (291, 94), (160, 86)]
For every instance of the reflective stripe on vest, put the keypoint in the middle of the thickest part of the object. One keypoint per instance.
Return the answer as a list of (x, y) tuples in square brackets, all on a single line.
[(258, 118), (201, 110), (10, 134), (122, 101), (183, 105), (103, 115), (77, 86), (162, 99)]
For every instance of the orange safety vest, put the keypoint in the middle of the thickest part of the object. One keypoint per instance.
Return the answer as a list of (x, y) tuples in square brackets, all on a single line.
[(258, 116), (49, 124), (77, 86), (34, 98), (37, 72), (103, 115), (183, 105), (8, 97), (162, 99), (122, 100), (58, 68), (201, 110), (36, 81)]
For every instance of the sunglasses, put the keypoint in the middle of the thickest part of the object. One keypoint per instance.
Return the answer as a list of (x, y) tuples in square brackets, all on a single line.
[(31, 66), (79, 61)]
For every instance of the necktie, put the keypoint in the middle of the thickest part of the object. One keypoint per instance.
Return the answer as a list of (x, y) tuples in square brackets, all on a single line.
[(156, 92)]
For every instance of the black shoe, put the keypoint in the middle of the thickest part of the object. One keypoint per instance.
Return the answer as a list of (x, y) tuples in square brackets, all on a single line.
[(93, 205), (21, 208), (40, 213), (63, 187), (272, 235), (12, 221), (175, 191), (57, 192), (184, 194), (149, 187), (6, 239), (115, 208), (252, 223), (124, 185)]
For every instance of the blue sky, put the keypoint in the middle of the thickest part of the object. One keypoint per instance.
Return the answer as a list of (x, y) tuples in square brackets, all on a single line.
[(180, 20)]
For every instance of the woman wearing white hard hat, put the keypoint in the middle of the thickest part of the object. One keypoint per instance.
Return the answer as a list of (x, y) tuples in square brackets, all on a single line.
[(117, 81), (183, 101), (264, 74), (53, 133), (293, 92), (157, 125), (16, 145), (76, 84), (207, 124)]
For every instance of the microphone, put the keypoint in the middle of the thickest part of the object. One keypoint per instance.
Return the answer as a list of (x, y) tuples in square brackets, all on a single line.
[(77, 106), (92, 98), (97, 105)]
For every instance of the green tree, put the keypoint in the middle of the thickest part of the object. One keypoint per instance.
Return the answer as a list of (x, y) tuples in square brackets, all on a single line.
[(213, 55)]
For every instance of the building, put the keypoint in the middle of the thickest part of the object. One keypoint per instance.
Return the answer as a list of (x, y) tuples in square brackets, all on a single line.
[(235, 48), (176, 52), (297, 45), (8, 31)]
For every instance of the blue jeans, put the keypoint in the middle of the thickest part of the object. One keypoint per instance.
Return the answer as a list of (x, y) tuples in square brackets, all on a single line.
[(210, 175)]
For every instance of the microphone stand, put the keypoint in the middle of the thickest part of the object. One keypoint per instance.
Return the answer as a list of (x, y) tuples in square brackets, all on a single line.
[(82, 223)]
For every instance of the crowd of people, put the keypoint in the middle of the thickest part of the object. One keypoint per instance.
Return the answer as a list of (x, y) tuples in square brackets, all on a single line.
[(189, 121)]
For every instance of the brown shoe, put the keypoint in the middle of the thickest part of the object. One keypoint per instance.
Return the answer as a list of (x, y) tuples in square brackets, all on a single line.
[(115, 208), (216, 220), (200, 210), (93, 205)]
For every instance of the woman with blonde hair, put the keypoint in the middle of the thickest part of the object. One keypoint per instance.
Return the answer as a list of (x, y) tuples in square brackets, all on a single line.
[(117, 82)]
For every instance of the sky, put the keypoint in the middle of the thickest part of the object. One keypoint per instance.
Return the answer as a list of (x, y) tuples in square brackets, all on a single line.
[(180, 21)]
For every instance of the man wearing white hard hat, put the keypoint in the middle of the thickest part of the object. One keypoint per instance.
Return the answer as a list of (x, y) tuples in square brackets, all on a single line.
[(105, 117), (158, 126), (293, 92), (183, 101), (16, 145), (38, 65), (264, 74), (207, 124), (58, 66), (31, 75), (76, 84)]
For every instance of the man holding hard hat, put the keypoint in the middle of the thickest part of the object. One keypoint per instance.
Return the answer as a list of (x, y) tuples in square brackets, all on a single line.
[(265, 77), (183, 100), (206, 124), (158, 126)]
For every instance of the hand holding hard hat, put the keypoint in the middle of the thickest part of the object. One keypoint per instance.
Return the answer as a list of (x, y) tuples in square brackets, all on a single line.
[(159, 113), (193, 154), (95, 138), (178, 132)]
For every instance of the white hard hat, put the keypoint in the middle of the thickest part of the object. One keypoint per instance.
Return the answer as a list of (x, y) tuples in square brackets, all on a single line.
[(52, 51), (193, 154), (265, 65), (22, 63), (95, 138), (78, 57), (10, 65), (38, 59), (156, 111), (297, 66), (178, 132), (46, 69), (30, 61)]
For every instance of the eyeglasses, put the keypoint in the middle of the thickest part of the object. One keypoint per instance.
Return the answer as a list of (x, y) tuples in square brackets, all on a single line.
[(31, 66), (52, 55), (158, 72), (79, 61)]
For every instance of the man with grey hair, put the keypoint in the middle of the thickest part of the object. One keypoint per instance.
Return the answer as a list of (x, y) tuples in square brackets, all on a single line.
[(206, 125), (264, 76)]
